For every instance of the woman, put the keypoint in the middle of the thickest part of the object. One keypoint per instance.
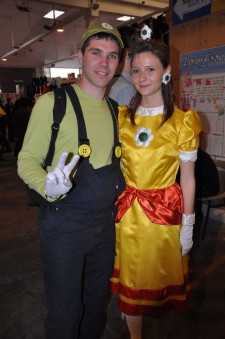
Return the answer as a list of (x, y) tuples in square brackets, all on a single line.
[(155, 215)]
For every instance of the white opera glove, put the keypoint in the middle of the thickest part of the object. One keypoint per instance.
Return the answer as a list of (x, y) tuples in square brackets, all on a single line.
[(186, 233), (58, 181)]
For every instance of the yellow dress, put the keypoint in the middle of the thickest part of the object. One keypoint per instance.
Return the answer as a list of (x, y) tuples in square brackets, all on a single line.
[(150, 274)]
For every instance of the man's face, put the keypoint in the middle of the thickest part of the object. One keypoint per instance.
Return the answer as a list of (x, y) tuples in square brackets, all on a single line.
[(99, 62)]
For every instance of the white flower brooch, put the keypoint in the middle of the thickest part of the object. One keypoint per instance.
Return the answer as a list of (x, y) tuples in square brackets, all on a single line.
[(146, 32), (143, 136)]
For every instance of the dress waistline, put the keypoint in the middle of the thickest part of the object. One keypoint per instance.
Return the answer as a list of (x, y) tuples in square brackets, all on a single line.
[(162, 206)]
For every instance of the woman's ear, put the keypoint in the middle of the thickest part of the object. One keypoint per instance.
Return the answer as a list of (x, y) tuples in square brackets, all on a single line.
[(168, 69)]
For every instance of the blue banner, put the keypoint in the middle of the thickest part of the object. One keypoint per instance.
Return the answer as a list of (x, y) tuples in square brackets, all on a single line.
[(185, 10), (202, 62)]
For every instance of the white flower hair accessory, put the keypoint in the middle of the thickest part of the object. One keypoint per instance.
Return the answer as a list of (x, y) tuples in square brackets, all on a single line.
[(143, 136), (146, 32), (166, 78)]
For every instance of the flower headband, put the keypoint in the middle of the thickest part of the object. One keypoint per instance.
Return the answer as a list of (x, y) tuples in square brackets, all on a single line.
[(146, 32)]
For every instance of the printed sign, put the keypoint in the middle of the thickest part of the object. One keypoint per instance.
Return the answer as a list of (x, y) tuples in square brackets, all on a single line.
[(203, 89)]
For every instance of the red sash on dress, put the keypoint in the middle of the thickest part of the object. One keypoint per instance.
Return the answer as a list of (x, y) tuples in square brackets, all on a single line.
[(162, 206)]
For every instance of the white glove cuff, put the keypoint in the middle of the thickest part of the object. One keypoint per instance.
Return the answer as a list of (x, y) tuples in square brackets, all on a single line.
[(188, 219)]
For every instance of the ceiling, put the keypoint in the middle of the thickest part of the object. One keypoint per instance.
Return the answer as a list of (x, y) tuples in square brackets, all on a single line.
[(31, 41)]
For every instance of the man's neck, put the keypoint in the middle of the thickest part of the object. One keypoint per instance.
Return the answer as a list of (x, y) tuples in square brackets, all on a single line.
[(93, 91)]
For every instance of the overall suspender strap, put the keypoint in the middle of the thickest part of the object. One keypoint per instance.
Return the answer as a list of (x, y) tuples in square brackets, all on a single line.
[(59, 110), (82, 132), (84, 149), (112, 106)]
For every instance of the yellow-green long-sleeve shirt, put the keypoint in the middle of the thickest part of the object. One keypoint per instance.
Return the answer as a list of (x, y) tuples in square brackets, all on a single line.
[(99, 127)]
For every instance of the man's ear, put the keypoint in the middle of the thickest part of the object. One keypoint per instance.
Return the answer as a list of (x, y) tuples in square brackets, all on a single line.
[(80, 57)]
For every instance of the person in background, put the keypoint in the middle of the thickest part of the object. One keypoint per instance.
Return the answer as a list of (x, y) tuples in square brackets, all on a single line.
[(76, 221), (121, 88), (20, 121), (3, 128), (155, 215), (9, 109)]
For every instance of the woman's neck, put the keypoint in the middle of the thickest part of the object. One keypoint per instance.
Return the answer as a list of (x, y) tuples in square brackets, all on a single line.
[(151, 102)]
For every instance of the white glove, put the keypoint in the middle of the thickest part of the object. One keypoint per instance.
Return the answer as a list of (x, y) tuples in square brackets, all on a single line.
[(186, 233), (58, 181)]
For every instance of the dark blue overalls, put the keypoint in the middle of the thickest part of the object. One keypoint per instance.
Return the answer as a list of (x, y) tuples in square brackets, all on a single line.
[(77, 237)]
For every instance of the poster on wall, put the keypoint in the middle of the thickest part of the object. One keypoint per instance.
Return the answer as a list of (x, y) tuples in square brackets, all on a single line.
[(185, 10), (203, 89)]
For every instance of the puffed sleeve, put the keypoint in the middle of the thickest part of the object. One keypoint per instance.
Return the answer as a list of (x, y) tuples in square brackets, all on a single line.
[(188, 138)]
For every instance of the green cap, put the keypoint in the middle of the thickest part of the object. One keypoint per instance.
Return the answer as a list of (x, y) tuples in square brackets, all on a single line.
[(101, 28)]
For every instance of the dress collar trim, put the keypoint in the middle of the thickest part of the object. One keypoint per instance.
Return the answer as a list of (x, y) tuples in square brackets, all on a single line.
[(150, 111)]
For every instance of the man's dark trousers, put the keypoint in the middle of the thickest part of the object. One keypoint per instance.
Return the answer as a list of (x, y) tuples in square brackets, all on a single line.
[(77, 253)]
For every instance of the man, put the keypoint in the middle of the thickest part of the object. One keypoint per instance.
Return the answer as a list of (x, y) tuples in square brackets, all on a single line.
[(77, 223), (121, 89)]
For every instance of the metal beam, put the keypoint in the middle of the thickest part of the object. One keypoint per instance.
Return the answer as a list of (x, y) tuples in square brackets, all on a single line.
[(147, 3), (124, 7), (134, 8), (66, 21)]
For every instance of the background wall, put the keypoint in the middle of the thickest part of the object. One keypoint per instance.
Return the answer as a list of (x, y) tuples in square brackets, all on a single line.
[(202, 33), (10, 77)]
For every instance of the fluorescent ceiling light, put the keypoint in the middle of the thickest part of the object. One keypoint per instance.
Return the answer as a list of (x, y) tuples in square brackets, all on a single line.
[(125, 18), (50, 15)]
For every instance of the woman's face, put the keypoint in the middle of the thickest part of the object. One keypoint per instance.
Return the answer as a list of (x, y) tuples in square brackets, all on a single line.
[(147, 74)]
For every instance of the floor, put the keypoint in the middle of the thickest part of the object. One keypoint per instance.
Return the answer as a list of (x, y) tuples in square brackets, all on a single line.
[(22, 305)]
